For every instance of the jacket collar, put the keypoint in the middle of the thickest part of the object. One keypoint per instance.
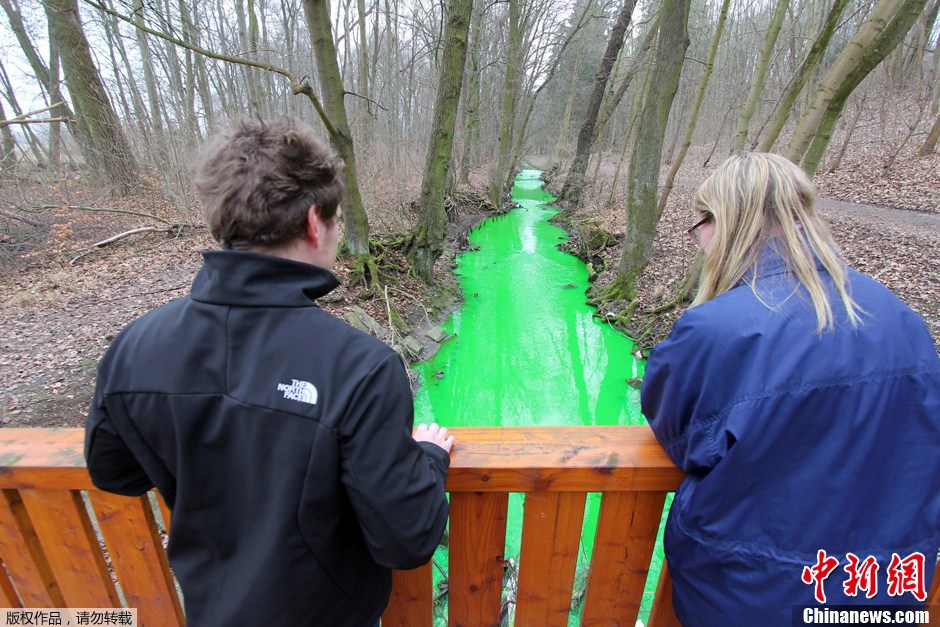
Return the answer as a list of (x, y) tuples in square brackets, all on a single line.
[(249, 279), (771, 262)]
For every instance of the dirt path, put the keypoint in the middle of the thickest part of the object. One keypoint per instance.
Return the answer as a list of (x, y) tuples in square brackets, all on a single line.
[(902, 217)]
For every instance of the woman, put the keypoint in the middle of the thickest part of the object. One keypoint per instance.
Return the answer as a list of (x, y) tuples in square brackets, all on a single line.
[(803, 400)]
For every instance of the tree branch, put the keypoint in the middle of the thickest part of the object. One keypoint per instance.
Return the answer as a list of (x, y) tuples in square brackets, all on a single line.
[(366, 98), (297, 87), (42, 121), (23, 116), (107, 209), (16, 216)]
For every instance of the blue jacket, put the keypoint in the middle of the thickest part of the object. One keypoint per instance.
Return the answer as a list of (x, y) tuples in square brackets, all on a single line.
[(793, 443)]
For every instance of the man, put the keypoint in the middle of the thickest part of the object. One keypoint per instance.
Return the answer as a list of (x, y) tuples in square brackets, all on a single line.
[(279, 436)]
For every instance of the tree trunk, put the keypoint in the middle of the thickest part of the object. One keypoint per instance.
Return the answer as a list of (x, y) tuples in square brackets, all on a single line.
[(696, 107), (500, 177), (566, 119), (8, 156), (574, 184), (471, 130), (798, 82), (931, 144), (31, 139), (250, 51), (643, 178), (876, 38), (48, 79), (105, 144), (364, 106), (355, 220), (428, 240), (757, 85)]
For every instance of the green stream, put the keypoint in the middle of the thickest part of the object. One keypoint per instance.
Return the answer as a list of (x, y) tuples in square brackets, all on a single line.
[(527, 350)]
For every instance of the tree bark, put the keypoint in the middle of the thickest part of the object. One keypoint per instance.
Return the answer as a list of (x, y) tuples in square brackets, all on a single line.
[(574, 184), (46, 77), (696, 107), (798, 82), (104, 144), (8, 143), (876, 38), (428, 239), (930, 145), (500, 177), (355, 220), (760, 73), (643, 178)]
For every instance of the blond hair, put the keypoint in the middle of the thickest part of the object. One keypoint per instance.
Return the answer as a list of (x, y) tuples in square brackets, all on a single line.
[(754, 197)]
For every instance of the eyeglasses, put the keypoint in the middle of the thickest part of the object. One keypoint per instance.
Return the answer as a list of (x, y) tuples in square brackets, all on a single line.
[(693, 232)]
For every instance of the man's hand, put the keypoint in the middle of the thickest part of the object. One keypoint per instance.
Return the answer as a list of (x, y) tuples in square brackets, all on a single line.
[(435, 435)]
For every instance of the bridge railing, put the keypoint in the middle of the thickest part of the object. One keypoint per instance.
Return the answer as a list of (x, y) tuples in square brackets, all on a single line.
[(65, 544)]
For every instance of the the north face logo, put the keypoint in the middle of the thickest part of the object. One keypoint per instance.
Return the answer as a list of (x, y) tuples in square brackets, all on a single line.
[(302, 391)]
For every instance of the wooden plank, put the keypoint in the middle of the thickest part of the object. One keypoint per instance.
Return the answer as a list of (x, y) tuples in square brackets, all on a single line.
[(578, 459), (662, 613), (51, 458), (71, 547), (623, 545), (486, 459), (8, 596), (551, 534), (412, 600), (137, 556), (477, 545), (933, 596), (21, 553), (164, 512)]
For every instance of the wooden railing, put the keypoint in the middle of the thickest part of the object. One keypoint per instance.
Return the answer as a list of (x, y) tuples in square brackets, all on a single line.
[(65, 544)]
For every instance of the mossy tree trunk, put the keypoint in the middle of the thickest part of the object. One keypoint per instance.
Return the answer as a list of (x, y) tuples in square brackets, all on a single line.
[(427, 241), (500, 176), (696, 107), (887, 25), (760, 73), (471, 130), (103, 142), (643, 179), (355, 220), (798, 82), (574, 183)]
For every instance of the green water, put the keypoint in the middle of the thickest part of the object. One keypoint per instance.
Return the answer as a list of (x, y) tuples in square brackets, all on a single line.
[(526, 348)]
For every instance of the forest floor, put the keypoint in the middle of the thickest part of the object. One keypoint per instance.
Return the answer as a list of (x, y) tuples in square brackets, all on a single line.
[(887, 226), (61, 302)]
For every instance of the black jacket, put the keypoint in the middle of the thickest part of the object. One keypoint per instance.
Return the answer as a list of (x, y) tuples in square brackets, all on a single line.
[(280, 437)]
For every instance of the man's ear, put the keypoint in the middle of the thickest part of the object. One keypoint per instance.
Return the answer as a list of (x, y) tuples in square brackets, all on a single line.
[(313, 230)]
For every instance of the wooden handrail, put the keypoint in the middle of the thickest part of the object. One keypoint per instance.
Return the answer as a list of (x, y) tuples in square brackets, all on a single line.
[(55, 553), (52, 549)]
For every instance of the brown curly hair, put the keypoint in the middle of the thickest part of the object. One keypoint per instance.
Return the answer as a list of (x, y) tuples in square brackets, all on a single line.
[(257, 180)]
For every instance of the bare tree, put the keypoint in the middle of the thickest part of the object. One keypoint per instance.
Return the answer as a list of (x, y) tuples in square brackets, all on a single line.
[(427, 241), (642, 215), (876, 38), (103, 139), (798, 82), (574, 184), (355, 221), (696, 107), (760, 73)]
